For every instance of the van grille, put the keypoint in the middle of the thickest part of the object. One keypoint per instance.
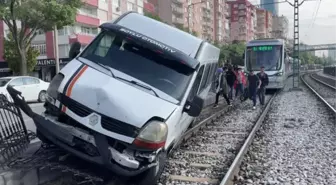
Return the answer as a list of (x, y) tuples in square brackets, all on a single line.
[(107, 123)]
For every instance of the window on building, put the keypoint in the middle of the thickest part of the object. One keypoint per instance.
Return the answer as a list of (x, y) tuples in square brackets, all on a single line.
[(140, 10), (39, 32), (88, 11), (131, 1), (41, 48), (63, 50), (116, 3), (129, 6), (140, 3), (63, 31), (235, 5)]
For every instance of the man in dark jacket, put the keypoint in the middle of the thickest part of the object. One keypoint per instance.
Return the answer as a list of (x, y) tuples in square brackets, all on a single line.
[(230, 78), (222, 87), (253, 85), (264, 82)]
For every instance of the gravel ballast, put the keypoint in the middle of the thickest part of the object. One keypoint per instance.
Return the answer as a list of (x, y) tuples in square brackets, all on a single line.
[(223, 137), (296, 145)]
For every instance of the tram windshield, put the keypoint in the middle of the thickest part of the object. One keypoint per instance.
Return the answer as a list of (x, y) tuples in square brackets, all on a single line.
[(268, 56)]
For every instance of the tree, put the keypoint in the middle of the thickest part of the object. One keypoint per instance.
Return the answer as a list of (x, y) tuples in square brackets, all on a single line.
[(12, 56), (150, 15), (233, 53), (25, 17)]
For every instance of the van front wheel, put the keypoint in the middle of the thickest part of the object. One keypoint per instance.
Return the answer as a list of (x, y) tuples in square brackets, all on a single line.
[(152, 176)]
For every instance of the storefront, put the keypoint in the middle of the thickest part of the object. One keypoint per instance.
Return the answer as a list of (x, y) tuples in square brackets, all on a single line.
[(45, 69), (4, 69)]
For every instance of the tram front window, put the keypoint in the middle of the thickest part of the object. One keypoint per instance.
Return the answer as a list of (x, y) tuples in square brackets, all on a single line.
[(267, 56)]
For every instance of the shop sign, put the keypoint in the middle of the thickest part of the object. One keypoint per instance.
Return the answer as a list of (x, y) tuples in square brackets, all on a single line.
[(51, 62)]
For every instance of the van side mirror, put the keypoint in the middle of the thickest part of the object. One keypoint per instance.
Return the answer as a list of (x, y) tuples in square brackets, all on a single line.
[(194, 108), (74, 50)]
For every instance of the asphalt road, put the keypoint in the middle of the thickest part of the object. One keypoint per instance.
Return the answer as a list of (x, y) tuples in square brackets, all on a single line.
[(38, 108)]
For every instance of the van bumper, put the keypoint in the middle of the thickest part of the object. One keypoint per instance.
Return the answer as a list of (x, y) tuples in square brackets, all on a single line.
[(59, 134)]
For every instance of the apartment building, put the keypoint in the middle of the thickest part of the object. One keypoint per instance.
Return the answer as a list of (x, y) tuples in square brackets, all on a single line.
[(88, 18), (151, 6), (242, 20), (279, 27), (221, 23), (264, 24)]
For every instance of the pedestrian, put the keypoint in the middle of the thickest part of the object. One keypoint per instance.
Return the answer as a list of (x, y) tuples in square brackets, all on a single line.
[(253, 86), (264, 82), (222, 87), (239, 83), (230, 78)]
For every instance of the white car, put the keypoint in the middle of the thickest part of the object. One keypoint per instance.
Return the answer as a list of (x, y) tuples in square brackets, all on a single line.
[(32, 89)]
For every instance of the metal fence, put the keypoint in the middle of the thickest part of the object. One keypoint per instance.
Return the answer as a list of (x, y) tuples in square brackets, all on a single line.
[(331, 70), (14, 138)]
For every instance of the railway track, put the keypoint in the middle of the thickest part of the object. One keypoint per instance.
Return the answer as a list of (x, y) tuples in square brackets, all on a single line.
[(211, 150), (215, 147), (322, 89)]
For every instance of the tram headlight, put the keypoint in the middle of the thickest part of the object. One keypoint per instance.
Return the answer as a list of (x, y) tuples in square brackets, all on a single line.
[(280, 74)]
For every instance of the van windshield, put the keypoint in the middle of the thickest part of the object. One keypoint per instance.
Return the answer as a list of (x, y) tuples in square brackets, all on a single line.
[(134, 59)]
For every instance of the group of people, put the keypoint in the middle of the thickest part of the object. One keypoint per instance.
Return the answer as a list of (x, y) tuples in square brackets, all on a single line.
[(230, 79)]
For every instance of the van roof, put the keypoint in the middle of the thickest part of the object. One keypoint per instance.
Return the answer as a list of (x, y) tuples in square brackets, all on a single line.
[(161, 32)]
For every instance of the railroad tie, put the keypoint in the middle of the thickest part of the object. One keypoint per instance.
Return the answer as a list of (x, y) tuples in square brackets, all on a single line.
[(194, 179)]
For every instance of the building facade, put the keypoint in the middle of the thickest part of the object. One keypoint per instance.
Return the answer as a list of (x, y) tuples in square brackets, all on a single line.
[(271, 6), (88, 18), (264, 24), (279, 27), (242, 20)]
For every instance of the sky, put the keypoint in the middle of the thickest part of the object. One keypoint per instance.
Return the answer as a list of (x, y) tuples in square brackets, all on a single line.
[(320, 31)]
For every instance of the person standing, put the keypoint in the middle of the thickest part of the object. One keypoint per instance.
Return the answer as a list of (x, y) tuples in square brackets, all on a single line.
[(239, 82), (222, 87), (253, 85), (230, 78), (264, 82)]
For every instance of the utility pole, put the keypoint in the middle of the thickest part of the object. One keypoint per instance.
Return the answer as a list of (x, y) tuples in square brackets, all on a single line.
[(56, 50), (188, 11), (296, 46)]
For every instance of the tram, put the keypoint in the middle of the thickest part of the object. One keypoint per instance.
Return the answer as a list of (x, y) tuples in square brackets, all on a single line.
[(270, 53)]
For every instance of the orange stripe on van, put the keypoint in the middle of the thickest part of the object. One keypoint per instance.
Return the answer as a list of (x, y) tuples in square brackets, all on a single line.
[(72, 84)]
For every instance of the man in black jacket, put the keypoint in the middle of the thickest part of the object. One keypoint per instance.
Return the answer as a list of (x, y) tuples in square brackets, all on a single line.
[(264, 82), (230, 78)]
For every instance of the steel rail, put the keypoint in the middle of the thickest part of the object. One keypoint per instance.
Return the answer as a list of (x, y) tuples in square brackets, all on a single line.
[(321, 82), (234, 168), (317, 94)]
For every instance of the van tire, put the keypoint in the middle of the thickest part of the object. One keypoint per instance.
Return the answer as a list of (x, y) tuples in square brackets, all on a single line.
[(152, 176)]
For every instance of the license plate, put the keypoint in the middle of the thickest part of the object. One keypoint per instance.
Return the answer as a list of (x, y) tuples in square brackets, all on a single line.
[(64, 135)]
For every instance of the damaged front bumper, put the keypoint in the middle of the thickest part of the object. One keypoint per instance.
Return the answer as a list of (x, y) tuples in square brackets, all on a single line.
[(89, 144)]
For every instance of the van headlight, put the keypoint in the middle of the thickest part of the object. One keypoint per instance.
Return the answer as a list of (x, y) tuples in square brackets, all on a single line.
[(152, 136), (53, 87)]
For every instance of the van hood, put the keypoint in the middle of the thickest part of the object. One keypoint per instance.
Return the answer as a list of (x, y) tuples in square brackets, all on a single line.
[(118, 99)]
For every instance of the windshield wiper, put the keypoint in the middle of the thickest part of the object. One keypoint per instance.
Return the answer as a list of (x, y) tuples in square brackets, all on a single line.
[(108, 68), (139, 84)]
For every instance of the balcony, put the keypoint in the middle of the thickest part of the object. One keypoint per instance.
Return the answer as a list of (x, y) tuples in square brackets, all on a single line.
[(177, 10), (82, 38), (177, 20), (92, 2), (178, 1), (88, 20)]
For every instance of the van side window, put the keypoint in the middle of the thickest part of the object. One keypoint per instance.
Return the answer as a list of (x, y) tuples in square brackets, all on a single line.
[(205, 77), (197, 83), (211, 74)]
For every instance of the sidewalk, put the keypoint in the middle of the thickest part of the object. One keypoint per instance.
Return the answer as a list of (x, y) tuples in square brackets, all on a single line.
[(34, 176)]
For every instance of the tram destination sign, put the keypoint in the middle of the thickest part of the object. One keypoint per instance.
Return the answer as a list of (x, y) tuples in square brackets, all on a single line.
[(51, 62), (262, 48)]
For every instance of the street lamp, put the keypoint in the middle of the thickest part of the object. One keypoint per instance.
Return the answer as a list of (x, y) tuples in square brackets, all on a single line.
[(188, 8)]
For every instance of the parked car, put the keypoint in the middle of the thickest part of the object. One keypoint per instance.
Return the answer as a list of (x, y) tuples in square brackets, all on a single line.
[(32, 89)]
